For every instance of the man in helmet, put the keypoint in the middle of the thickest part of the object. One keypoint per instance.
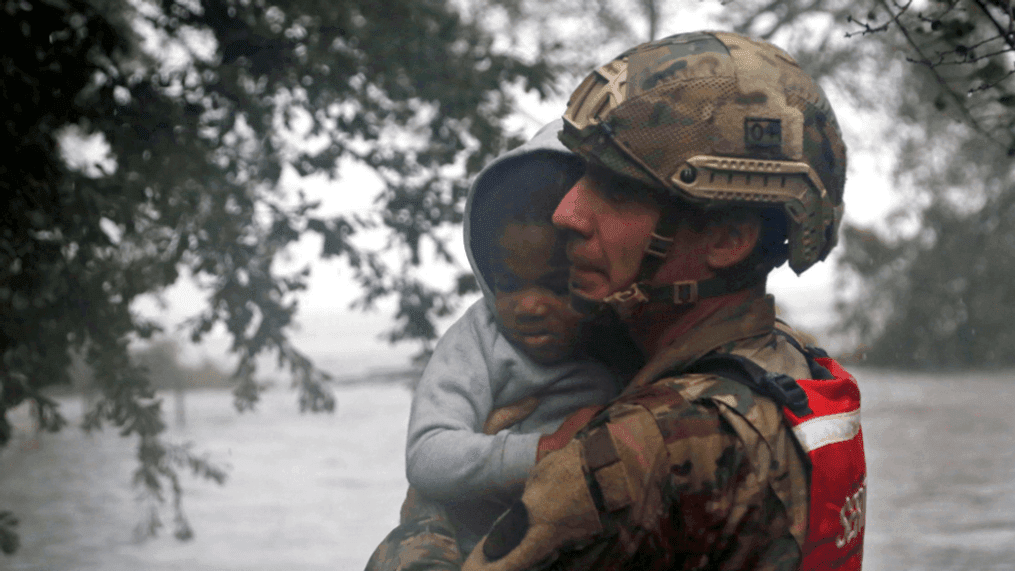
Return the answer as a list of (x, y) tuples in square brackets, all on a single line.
[(712, 158)]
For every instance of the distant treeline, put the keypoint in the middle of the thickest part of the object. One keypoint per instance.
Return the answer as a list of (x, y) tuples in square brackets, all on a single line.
[(162, 360)]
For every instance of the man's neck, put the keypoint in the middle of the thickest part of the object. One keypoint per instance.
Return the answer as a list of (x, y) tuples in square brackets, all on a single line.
[(657, 326)]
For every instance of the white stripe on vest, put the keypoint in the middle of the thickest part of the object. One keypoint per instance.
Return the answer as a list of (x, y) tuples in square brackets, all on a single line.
[(825, 430)]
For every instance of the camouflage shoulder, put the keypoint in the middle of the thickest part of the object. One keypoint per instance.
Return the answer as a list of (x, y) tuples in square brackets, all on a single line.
[(728, 430), (765, 443), (755, 419), (664, 440)]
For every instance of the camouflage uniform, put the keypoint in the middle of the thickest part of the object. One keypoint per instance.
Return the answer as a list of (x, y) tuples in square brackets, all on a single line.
[(681, 472), (423, 541)]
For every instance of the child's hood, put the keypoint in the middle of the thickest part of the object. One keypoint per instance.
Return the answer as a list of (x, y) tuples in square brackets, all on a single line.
[(544, 140)]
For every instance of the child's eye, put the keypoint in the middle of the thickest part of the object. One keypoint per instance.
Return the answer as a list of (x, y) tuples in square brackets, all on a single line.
[(506, 283), (556, 282)]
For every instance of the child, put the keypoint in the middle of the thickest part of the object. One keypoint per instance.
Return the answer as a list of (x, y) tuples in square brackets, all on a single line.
[(520, 345)]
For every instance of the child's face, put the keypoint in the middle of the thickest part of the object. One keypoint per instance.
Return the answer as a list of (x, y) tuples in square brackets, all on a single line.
[(530, 283)]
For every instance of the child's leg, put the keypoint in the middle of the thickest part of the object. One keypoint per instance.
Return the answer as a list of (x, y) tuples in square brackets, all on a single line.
[(423, 541)]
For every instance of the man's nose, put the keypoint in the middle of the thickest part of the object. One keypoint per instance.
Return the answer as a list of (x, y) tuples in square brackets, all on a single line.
[(573, 213)]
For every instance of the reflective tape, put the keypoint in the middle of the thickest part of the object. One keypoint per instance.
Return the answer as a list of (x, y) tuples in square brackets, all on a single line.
[(825, 430)]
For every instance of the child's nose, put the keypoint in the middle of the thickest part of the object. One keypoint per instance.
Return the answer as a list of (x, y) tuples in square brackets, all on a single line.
[(531, 307)]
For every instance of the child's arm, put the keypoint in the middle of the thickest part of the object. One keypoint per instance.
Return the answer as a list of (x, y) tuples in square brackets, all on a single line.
[(448, 457)]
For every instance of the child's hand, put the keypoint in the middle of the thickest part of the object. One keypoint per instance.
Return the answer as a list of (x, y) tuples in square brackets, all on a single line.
[(559, 439), (509, 415)]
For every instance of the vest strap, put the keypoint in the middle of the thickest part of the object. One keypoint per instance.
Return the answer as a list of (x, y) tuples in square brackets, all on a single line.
[(782, 389)]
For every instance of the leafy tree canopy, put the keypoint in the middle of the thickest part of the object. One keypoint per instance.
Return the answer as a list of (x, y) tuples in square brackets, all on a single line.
[(200, 105)]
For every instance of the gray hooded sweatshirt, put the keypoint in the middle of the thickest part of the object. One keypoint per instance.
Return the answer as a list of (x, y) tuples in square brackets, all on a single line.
[(474, 370)]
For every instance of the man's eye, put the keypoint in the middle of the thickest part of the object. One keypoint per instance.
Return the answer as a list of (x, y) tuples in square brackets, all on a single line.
[(616, 194), (622, 191)]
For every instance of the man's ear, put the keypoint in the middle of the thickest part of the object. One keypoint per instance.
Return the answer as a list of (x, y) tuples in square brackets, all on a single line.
[(731, 242)]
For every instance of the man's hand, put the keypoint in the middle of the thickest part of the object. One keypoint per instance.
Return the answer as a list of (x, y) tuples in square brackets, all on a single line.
[(559, 439), (509, 415)]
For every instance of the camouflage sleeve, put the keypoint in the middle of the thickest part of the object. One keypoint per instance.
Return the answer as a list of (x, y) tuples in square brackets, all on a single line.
[(423, 541), (656, 482)]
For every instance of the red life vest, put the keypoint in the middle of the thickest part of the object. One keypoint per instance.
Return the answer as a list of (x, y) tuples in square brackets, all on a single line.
[(824, 414), (832, 438)]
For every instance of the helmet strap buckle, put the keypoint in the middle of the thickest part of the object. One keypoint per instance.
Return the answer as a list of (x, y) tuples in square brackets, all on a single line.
[(685, 292), (625, 301), (658, 246)]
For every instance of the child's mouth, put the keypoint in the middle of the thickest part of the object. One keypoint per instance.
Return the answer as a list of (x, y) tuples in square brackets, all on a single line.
[(538, 339)]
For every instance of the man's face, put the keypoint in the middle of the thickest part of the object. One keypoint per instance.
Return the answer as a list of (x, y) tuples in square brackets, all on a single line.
[(609, 231)]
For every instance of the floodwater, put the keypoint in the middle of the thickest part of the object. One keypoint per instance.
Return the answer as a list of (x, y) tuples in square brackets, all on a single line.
[(309, 492), (941, 470)]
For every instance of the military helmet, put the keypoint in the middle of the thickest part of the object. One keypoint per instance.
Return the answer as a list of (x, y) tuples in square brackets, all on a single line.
[(717, 119)]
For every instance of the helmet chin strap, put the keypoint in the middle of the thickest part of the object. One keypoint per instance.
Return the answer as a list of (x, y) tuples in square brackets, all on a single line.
[(681, 293)]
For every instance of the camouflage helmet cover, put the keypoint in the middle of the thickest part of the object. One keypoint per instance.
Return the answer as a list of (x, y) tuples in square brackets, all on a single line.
[(718, 118)]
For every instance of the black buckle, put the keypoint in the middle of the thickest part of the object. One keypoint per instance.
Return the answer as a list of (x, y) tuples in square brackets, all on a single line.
[(685, 292), (658, 246), (785, 390)]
